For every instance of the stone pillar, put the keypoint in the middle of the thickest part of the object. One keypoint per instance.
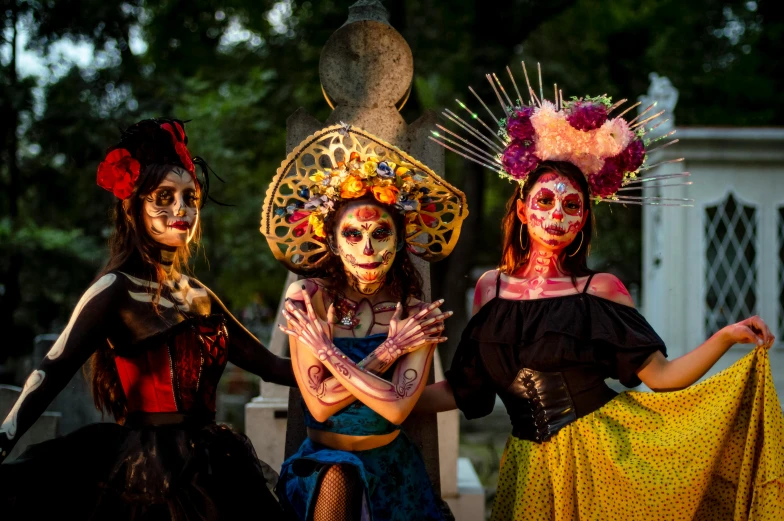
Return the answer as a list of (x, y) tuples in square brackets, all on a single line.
[(366, 71)]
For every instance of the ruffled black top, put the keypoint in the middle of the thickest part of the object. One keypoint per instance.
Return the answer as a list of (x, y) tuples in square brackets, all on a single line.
[(583, 337)]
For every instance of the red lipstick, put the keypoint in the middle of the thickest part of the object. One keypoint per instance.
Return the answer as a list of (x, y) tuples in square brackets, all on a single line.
[(371, 266), (180, 225)]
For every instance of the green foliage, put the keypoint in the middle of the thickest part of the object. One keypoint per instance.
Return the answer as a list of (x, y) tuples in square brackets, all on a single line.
[(238, 69)]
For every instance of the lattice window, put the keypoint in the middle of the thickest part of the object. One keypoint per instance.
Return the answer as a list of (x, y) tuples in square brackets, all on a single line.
[(731, 263), (781, 274)]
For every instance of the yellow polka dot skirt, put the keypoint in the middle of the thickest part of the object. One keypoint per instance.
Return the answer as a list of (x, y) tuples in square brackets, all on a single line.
[(712, 452)]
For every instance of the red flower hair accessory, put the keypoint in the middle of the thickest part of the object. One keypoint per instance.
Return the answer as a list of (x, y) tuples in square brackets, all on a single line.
[(178, 136), (118, 173)]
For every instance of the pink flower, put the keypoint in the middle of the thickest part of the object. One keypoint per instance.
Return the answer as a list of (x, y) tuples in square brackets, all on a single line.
[(608, 180), (586, 115), (519, 160), (633, 156), (519, 126)]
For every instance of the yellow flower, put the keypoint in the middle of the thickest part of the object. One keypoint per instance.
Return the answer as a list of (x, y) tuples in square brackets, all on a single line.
[(352, 188), (318, 177), (335, 181), (330, 192), (385, 194), (401, 171), (369, 168), (317, 223)]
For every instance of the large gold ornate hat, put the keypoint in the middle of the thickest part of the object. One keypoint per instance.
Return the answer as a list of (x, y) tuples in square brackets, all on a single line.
[(343, 162)]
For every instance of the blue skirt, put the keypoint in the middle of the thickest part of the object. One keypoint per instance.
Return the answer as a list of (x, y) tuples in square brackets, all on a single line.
[(395, 482)]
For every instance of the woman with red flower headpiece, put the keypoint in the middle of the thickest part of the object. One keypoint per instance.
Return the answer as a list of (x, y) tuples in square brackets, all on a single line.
[(157, 341), (547, 332)]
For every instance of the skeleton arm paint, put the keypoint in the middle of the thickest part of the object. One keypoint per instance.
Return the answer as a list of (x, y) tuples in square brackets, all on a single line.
[(86, 331), (393, 400)]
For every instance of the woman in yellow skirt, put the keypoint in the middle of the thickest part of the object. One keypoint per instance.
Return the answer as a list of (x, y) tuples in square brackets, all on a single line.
[(547, 332)]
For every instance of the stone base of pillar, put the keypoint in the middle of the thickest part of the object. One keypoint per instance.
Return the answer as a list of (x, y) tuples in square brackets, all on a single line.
[(265, 426), (469, 503)]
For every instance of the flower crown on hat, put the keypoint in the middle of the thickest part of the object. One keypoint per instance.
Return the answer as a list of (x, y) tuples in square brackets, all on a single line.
[(342, 162), (610, 152), (389, 183)]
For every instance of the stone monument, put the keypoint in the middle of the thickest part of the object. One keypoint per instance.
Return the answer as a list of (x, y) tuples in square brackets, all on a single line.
[(360, 95)]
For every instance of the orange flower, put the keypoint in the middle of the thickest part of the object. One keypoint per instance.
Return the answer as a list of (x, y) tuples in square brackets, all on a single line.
[(352, 188), (385, 194)]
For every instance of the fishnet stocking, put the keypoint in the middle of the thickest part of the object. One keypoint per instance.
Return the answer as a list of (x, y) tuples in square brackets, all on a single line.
[(339, 496)]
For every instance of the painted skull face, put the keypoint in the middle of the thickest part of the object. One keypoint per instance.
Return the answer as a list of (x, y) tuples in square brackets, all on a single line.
[(366, 239), (554, 211), (171, 211)]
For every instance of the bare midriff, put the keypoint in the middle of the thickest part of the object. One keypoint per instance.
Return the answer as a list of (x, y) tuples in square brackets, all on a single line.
[(346, 442)]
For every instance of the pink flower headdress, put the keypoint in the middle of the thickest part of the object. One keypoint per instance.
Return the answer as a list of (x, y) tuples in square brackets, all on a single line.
[(610, 152)]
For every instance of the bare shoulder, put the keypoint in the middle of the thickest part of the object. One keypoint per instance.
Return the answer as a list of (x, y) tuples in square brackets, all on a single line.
[(610, 287), (488, 278)]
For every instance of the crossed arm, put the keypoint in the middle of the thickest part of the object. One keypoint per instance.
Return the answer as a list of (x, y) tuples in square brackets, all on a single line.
[(314, 355)]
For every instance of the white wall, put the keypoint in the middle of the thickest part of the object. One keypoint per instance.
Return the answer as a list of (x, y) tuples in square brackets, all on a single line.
[(749, 163)]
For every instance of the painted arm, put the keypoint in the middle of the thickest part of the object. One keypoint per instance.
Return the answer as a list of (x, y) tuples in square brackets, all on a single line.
[(661, 374), (248, 353), (86, 331), (392, 400)]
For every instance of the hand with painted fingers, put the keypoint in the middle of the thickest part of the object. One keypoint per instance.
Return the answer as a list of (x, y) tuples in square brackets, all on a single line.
[(307, 328), (409, 334), (753, 330)]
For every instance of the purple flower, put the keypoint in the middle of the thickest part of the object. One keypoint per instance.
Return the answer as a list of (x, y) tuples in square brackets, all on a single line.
[(633, 156), (519, 160), (608, 180), (519, 126), (384, 171), (586, 115)]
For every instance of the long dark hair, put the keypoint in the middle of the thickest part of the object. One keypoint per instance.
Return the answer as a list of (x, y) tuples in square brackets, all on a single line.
[(132, 249), (403, 279), (513, 256)]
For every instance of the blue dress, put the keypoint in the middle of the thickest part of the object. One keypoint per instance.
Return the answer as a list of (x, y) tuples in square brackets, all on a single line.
[(395, 482)]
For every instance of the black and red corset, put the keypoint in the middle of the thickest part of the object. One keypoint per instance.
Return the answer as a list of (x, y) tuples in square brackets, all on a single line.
[(177, 370)]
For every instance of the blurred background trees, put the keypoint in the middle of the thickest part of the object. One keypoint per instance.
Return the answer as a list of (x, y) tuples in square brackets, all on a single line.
[(73, 72)]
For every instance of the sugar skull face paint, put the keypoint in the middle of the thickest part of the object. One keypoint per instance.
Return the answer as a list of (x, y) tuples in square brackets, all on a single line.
[(171, 211), (366, 240), (554, 211)]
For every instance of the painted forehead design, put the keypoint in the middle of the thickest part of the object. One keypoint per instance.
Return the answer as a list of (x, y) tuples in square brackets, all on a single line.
[(366, 213), (561, 183)]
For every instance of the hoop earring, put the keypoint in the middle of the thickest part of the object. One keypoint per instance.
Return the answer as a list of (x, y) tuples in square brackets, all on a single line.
[(333, 248), (582, 236), (400, 245), (528, 241)]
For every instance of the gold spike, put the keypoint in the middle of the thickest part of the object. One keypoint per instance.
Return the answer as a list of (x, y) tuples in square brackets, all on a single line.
[(503, 90), (643, 112), (646, 120), (497, 95), (630, 108), (541, 92), (530, 90), (511, 77)]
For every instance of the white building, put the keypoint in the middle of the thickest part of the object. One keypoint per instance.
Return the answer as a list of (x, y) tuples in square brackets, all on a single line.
[(721, 260)]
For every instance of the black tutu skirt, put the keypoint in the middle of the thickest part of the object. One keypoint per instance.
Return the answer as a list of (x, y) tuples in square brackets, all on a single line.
[(142, 471)]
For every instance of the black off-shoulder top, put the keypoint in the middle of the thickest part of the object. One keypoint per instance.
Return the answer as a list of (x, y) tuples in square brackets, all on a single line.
[(546, 355)]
